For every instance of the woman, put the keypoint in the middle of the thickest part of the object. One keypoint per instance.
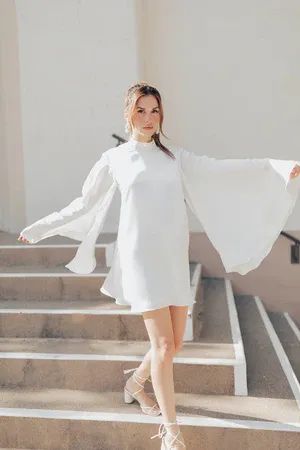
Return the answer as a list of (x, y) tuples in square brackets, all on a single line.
[(242, 204)]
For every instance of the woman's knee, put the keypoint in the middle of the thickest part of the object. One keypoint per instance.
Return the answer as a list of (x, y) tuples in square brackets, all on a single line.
[(165, 348), (178, 346)]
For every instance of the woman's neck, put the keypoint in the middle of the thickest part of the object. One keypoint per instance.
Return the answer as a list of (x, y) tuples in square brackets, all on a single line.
[(141, 138)]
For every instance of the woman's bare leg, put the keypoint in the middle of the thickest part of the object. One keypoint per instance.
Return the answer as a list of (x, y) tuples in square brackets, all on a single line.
[(166, 328), (159, 326), (143, 371), (177, 315), (144, 368)]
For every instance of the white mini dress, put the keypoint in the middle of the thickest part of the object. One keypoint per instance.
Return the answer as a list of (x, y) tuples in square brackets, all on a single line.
[(242, 204)]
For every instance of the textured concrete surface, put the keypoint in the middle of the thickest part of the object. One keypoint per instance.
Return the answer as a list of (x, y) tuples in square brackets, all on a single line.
[(21, 259), (90, 372), (94, 435), (198, 405), (288, 340), (12, 239), (264, 372), (43, 288), (216, 322), (91, 319)]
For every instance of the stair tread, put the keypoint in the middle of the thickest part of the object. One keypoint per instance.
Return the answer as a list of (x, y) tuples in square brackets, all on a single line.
[(288, 340), (54, 269), (28, 269), (200, 405), (216, 320), (7, 238), (99, 304), (265, 375), (110, 347)]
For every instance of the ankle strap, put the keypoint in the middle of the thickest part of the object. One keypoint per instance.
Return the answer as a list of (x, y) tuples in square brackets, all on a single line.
[(162, 430), (135, 374)]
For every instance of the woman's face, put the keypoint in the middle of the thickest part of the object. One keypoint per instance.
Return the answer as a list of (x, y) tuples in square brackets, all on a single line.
[(146, 117)]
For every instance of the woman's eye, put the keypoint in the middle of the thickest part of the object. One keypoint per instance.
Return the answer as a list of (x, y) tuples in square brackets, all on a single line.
[(140, 111)]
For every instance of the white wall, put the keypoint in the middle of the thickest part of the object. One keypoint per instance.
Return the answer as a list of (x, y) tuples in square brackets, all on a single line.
[(76, 61), (12, 192), (229, 73)]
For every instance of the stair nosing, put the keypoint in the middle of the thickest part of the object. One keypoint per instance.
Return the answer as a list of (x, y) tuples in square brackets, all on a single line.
[(191, 420), (279, 350)]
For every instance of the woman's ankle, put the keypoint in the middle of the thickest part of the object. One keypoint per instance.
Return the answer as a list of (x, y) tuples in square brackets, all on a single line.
[(142, 374), (171, 425)]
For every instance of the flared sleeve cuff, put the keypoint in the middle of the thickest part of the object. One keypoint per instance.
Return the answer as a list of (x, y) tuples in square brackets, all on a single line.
[(75, 220), (242, 204)]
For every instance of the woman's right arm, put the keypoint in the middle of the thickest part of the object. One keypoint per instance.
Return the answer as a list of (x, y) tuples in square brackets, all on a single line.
[(75, 219)]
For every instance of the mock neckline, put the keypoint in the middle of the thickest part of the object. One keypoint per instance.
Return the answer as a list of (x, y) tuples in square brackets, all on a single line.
[(139, 144)]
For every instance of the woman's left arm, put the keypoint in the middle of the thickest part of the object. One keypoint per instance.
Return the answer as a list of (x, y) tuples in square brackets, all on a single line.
[(242, 204)]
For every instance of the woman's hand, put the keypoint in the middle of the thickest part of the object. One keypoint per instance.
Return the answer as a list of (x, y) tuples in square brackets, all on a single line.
[(295, 172), (23, 239)]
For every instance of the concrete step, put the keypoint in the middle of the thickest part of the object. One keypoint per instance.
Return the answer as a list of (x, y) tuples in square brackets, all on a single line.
[(53, 251), (35, 311), (288, 339), (220, 325), (215, 312), (19, 270), (52, 283), (89, 364), (266, 377), (11, 239), (89, 319), (43, 286), (43, 255), (75, 419), (294, 324)]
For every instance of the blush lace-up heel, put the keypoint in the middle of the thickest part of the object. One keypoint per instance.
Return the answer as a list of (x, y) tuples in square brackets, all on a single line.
[(130, 397), (169, 441)]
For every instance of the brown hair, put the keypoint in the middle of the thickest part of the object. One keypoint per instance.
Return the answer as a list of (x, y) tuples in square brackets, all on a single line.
[(136, 91)]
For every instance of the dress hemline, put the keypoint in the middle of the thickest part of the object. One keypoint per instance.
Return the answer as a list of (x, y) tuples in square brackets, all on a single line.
[(133, 310)]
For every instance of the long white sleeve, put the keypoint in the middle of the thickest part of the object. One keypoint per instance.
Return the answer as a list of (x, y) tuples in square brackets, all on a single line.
[(242, 204), (82, 219)]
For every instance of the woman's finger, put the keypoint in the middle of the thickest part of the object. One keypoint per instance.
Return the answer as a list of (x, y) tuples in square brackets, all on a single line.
[(23, 239), (295, 172)]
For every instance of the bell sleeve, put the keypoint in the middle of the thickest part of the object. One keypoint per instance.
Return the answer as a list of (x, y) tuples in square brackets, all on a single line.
[(242, 204), (82, 219)]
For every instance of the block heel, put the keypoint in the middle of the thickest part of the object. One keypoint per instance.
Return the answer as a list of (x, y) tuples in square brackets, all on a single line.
[(128, 397)]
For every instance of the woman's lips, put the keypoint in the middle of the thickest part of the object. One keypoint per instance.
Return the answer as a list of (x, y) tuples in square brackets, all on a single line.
[(148, 128)]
